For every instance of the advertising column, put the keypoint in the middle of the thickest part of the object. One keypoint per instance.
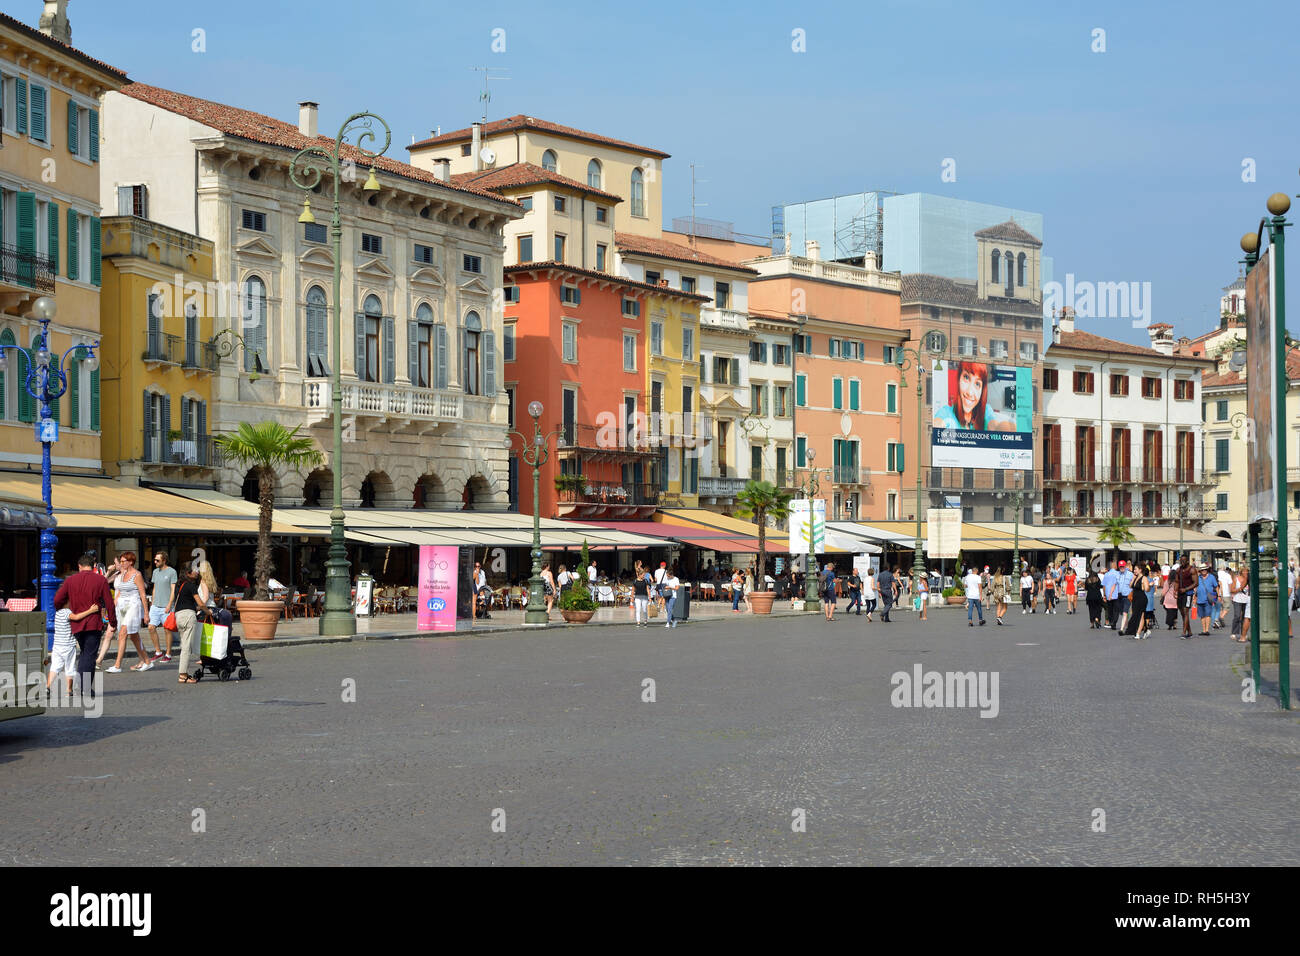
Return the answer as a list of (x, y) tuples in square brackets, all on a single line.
[(439, 567)]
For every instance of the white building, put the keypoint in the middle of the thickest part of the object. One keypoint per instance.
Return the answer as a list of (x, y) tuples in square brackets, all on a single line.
[(425, 417), (1122, 429)]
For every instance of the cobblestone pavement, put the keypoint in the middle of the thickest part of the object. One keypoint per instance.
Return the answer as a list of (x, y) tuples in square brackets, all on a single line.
[(753, 719)]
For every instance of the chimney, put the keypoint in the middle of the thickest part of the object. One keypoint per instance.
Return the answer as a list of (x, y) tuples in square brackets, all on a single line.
[(442, 169), (54, 21), (812, 249), (1064, 322), (307, 118), (1162, 338), (476, 144)]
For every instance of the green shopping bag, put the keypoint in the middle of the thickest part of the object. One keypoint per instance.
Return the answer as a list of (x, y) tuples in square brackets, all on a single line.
[(214, 640)]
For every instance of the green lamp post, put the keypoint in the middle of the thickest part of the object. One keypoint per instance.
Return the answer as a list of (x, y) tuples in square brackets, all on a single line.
[(535, 452), (936, 343), (809, 488), (306, 171)]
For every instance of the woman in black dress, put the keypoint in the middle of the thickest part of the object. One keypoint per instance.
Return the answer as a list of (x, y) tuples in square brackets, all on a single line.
[(1136, 626), (1092, 594)]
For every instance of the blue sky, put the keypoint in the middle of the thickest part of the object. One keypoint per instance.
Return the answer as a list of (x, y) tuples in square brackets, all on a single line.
[(1134, 155)]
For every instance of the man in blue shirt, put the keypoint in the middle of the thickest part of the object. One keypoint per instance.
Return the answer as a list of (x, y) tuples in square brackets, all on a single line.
[(1110, 594), (828, 591), (1125, 593)]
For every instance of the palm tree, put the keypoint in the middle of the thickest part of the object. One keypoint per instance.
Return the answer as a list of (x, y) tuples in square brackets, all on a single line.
[(761, 500), (267, 446), (1116, 532)]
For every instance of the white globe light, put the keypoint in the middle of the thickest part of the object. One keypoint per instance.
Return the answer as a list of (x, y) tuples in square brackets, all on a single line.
[(43, 358), (45, 308), (535, 409), (91, 362)]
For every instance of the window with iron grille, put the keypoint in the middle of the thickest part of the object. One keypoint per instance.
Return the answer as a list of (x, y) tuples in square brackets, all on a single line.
[(423, 253), (372, 244), (314, 232), (472, 264)]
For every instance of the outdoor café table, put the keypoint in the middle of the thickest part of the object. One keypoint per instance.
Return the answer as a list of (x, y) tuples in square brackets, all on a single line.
[(22, 605), (707, 589), (604, 594)]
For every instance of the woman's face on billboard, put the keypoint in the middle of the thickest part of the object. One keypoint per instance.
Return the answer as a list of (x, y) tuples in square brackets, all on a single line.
[(971, 388)]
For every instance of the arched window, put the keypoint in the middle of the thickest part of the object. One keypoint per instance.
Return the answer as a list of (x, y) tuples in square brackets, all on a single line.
[(1020, 270), (593, 174), (470, 359), (317, 339), (369, 325), (548, 161), (995, 264), (254, 325), (1011, 272), (9, 374), (638, 192), (421, 348)]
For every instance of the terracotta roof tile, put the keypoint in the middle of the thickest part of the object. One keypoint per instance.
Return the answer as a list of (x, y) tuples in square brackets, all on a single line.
[(1009, 230), (605, 276), (663, 249), (259, 128), (921, 287), (526, 174), (521, 121), (33, 34), (1239, 378), (1087, 342)]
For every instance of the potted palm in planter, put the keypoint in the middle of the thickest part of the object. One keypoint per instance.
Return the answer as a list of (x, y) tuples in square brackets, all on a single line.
[(576, 603), (761, 500), (955, 594), (265, 446)]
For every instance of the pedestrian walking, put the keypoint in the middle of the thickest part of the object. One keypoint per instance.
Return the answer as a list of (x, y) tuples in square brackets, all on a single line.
[(737, 590), (641, 585), (1217, 599), (548, 587), (1071, 591), (748, 585), (1187, 580), (162, 585), (1132, 623), (887, 587), (1240, 604), (63, 656), (660, 580), (564, 580), (1000, 588), (869, 593), (855, 593), (1206, 584), (1026, 591), (1169, 599), (828, 591), (1125, 594), (1094, 599), (186, 608), (669, 590), (130, 589), (986, 587), (974, 586), (1049, 591), (1110, 594), (922, 598)]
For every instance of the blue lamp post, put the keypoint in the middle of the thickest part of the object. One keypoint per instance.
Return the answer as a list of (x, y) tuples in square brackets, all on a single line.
[(46, 382)]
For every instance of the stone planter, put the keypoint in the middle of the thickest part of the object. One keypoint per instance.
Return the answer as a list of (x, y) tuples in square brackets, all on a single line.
[(956, 599), (259, 618), (577, 617), (761, 601)]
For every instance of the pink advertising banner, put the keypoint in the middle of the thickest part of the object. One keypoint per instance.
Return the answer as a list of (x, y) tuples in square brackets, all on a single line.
[(437, 607)]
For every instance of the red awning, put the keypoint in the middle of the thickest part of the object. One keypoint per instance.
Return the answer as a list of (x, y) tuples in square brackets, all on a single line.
[(707, 538)]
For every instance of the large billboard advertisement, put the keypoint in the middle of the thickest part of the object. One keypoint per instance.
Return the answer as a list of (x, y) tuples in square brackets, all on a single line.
[(983, 416), (437, 588), (1261, 433), (808, 526)]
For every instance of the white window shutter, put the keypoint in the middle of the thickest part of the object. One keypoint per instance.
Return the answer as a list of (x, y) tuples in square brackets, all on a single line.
[(359, 341), (390, 349), (489, 364), (440, 376), (413, 352)]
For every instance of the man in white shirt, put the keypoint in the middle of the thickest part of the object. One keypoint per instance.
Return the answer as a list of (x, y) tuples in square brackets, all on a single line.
[(973, 584), (1225, 593), (670, 586), (591, 573), (661, 575)]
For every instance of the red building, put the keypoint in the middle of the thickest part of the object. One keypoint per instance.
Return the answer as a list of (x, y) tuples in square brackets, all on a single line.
[(575, 341)]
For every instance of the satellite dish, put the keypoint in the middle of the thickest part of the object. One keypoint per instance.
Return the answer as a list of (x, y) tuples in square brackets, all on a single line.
[(1238, 360), (488, 155)]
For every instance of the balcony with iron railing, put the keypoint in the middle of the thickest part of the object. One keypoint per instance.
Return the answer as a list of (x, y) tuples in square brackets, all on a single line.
[(21, 270), (199, 451), (850, 475), (610, 501), (611, 443), (1165, 513), (163, 349), (200, 356), (1127, 475), (982, 480)]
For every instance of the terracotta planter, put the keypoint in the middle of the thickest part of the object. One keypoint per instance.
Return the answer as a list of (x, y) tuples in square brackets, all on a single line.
[(577, 617), (259, 618), (956, 599), (761, 601)]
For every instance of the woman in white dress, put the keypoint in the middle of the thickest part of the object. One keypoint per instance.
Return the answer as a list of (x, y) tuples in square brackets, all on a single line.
[(129, 587)]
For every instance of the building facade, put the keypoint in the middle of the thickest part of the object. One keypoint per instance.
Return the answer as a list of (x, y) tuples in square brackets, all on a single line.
[(1121, 430), (49, 227), (425, 414)]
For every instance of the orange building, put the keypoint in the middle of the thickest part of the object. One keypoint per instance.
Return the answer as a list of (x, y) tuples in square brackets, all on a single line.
[(576, 342), (848, 403)]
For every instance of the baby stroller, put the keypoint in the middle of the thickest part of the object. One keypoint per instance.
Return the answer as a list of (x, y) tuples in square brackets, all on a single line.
[(224, 667), (484, 599)]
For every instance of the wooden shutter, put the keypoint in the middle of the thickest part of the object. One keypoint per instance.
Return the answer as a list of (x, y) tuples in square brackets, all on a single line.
[(735, 372), (413, 352), (125, 201), (54, 402), (854, 397), (440, 376), (359, 343), (390, 349), (94, 400), (26, 221), (52, 219), (74, 393), (837, 393), (203, 421), (39, 131), (800, 389), (164, 427), (490, 364), (187, 426), (1055, 446), (148, 428), (96, 266), (899, 456), (74, 138), (26, 404), (94, 135), (74, 259), (20, 95)]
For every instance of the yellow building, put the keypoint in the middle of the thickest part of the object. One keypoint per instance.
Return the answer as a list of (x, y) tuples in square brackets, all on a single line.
[(49, 208), (673, 391), (158, 359)]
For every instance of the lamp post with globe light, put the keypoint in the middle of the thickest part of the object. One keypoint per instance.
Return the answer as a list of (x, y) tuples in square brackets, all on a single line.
[(46, 381), (535, 451)]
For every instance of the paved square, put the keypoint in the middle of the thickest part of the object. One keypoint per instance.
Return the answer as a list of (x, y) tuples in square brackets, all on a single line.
[(752, 720)]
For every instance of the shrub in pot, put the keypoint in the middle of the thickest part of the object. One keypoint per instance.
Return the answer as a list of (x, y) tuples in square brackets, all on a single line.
[(576, 603)]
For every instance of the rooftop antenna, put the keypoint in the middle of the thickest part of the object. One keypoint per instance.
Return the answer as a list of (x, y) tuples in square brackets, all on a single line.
[(693, 202), (490, 73)]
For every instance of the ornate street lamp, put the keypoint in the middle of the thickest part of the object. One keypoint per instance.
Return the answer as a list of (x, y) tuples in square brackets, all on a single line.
[(809, 488), (535, 452), (46, 382), (306, 170), (936, 343)]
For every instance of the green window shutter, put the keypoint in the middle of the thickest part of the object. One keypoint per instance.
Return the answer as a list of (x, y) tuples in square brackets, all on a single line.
[(94, 400), (891, 399), (55, 404), (800, 390), (801, 452), (39, 131), (53, 220), (94, 136), (837, 393), (853, 395), (26, 404), (20, 94), (74, 393), (74, 136), (898, 458), (73, 257), (96, 266), (26, 234)]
